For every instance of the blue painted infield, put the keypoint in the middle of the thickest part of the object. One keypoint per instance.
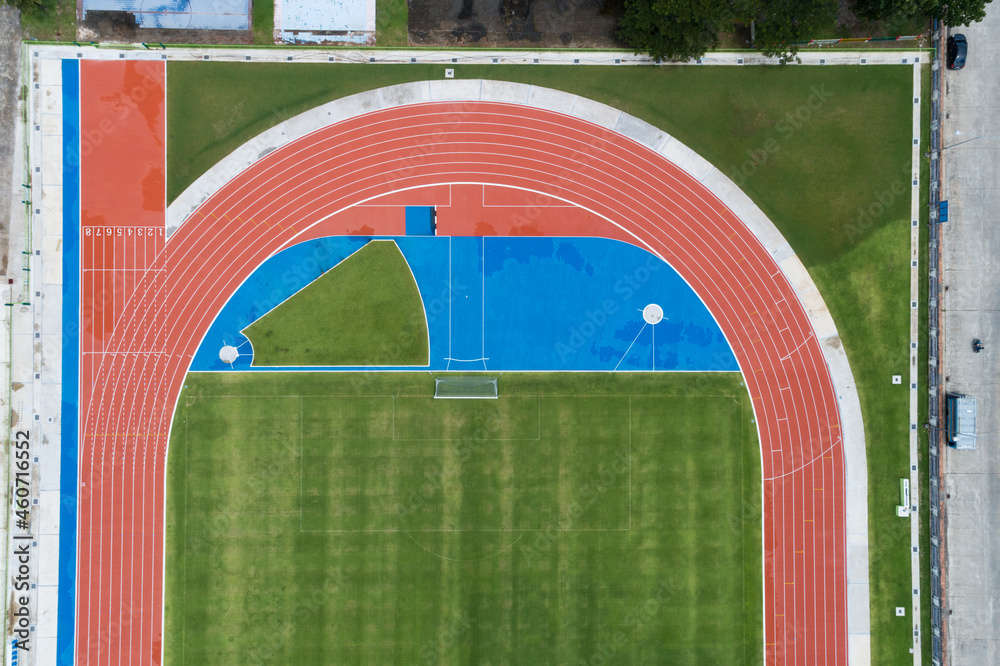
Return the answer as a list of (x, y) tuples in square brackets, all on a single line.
[(419, 220), (468, 349), (509, 303)]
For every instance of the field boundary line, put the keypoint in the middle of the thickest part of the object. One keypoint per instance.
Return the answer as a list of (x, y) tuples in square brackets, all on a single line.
[(302, 455), (525, 395), (184, 583), (504, 530)]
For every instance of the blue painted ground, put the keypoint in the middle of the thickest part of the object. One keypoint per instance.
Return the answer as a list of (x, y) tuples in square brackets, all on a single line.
[(468, 349), (66, 613), (179, 14), (519, 303), (419, 220)]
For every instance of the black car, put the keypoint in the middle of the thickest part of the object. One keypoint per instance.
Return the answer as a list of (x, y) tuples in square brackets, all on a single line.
[(957, 50)]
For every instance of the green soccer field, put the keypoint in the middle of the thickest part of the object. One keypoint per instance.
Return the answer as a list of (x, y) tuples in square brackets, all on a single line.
[(349, 518)]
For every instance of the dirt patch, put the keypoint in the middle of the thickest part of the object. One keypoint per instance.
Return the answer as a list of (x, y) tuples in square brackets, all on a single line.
[(331, 38), (122, 27), (560, 23)]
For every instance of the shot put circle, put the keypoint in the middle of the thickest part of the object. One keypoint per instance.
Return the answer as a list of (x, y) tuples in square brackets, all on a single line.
[(652, 313), (228, 354)]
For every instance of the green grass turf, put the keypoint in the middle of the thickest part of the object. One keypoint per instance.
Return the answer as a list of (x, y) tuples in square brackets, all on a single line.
[(391, 18), (834, 151), (56, 21), (875, 343), (366, 310), (825, 168), (263, 21), (778, 132), (627, 528)]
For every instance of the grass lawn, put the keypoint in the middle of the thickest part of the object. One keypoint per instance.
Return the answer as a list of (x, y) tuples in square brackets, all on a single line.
[(263, 21), (366, 310), (391, 18), (825, 153), (55, 22), (350, 518), (872, 279)]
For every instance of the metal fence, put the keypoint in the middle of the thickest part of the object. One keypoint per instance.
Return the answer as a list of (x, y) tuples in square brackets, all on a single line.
[(935, 377)]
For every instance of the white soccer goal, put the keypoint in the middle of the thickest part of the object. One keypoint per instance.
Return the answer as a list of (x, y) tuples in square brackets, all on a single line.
[(466, 387)]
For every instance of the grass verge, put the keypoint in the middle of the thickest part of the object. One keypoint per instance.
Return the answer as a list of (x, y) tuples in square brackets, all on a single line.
[(366, 310), (391, 17), (620, 527), (263, 22), (54, 22)]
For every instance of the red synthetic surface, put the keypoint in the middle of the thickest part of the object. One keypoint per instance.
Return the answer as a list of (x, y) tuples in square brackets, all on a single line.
[(631, 194), (123, 203)]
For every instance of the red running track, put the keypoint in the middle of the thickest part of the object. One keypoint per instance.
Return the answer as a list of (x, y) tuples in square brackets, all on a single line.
[(123, 208), (634, 193)]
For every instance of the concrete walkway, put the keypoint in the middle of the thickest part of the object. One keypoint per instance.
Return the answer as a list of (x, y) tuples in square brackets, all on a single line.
[(464, 57)]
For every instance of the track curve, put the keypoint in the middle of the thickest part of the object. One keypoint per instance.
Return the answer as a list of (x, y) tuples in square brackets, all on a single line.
[(644, 198)]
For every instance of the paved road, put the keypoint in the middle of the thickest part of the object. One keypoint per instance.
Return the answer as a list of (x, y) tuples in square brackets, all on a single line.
[(972, 309)]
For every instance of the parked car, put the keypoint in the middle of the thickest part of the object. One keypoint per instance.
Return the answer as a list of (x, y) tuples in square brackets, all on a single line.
[(958, 48)]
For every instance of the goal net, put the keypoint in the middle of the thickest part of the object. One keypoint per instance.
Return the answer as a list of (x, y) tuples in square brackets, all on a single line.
[(465, 387)]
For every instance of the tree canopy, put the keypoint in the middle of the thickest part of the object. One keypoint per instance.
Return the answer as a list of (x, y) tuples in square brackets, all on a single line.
[(949, 12), (30, 6), (673, 29), (686, 29)]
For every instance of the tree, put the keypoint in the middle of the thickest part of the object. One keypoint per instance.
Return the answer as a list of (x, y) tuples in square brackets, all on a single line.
[(781, 23), (30, 7), (960, 12), (681, 30), (672, 29), (949, 12), (879, 10)]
